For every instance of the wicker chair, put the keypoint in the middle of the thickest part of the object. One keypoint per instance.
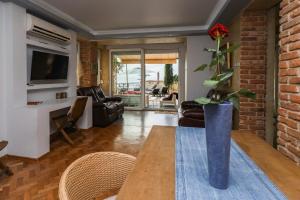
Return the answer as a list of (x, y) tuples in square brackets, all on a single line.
[(97, 175)]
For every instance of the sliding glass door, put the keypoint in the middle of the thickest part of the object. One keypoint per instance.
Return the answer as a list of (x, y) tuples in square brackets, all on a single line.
[(161, 80), (127, 78), (146, 80)]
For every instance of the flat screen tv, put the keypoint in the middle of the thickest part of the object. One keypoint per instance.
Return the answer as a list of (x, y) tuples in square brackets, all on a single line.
[(48, 67)]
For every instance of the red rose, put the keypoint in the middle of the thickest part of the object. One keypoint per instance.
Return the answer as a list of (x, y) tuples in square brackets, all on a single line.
[(218, 30)]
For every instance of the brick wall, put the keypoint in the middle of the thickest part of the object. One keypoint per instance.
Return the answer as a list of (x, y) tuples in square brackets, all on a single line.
[(253, 70), (289, 77), (88, 58)]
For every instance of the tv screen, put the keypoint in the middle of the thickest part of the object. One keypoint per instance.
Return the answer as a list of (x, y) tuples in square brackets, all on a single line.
[(48, 66)]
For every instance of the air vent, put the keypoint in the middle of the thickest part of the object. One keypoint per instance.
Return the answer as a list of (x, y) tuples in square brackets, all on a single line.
[(41, 28)]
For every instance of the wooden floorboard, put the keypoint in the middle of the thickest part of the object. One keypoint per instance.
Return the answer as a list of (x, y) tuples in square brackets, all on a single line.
[(280, 169), (38, 179)]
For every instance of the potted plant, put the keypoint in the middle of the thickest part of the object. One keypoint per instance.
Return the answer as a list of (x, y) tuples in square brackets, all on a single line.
[(218, 108)]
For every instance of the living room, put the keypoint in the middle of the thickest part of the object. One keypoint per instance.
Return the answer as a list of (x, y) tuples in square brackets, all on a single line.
[(123, 100)]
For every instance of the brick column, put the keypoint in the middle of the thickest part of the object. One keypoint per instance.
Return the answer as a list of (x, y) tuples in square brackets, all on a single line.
[(88, 58), (253, 70), (289, 77)]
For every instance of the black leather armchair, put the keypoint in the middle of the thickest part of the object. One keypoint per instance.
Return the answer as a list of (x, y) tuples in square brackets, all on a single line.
[(191, 114), (105, 109)]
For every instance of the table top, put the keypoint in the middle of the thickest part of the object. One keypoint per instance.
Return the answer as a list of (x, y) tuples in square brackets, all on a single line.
[(154, 174)]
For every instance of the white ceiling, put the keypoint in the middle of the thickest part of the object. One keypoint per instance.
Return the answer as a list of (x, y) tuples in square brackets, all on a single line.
[(127, 14), (100, 19)]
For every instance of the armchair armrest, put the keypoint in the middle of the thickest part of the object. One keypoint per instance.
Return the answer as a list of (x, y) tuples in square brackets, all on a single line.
[(191, 104), (196, 113), (112, 99), (98, 104)]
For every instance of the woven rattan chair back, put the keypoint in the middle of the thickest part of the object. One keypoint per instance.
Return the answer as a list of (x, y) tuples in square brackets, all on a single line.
[(94, 175), (77, 109)]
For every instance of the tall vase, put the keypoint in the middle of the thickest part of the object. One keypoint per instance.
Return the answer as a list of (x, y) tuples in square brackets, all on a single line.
[(218, 125)]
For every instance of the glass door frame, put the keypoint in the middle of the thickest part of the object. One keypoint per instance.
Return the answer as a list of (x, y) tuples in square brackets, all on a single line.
[(162, 48), (142, 53), (162, 51)]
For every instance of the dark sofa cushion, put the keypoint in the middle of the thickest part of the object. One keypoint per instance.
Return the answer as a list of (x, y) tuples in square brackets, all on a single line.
[(193, 113), (105, 109)]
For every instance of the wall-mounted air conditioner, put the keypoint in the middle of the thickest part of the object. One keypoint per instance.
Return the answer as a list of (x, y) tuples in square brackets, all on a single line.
[(41, 28)]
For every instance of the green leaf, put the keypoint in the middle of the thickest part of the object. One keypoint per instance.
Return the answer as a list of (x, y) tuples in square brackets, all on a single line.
[(204, 101), (247, 93), (231, 49), (210, 50), (232, 94), (225, 76), (213, 62), (235, 101), (222, 59), (201, 68), (211, 83), (242, 92)]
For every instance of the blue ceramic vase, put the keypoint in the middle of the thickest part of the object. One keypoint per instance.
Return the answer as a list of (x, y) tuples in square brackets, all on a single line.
[(218, 125)]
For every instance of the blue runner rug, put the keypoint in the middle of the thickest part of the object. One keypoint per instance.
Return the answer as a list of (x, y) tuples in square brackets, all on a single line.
[(247, 181)]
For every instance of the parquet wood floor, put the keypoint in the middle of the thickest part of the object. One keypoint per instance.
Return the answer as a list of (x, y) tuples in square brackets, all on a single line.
[(38, 179)]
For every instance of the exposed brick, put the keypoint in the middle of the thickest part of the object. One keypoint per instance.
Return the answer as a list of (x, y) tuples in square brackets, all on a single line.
[(282, 112), (281, 127), (283, 4), (289, 7), (287, 153), (293, 72), (294, 133), (283, 64), (294, 46), (284, 97), (291, 23), (294, 115), (289, 88), (290, 106), (295, 13), (289, 122), (295, 150), (88, 58), (294, 80), (294, 63), (253, 69), (290, 55), (295, 98)]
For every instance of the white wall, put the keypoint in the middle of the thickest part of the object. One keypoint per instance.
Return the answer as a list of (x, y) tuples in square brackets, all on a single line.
[(13, 72), (2, 76), (194, 57)]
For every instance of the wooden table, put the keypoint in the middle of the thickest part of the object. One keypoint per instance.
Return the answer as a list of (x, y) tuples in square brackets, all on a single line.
[(154, 175)]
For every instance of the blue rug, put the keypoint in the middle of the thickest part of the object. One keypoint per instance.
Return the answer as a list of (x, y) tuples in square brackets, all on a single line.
[(247, 181)]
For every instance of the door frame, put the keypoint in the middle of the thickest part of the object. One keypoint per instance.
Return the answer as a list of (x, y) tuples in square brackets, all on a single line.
[(178, 47), (142, 104)]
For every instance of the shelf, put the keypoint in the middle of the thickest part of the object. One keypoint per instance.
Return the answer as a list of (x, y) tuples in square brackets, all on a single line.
[(47, 46), (47, 86)]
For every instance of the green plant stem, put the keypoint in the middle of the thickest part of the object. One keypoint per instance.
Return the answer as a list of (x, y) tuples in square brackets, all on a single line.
[(218, 51)]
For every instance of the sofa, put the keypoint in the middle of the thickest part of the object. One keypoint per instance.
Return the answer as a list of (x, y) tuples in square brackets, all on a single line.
[(105, 109), (191, 114)]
